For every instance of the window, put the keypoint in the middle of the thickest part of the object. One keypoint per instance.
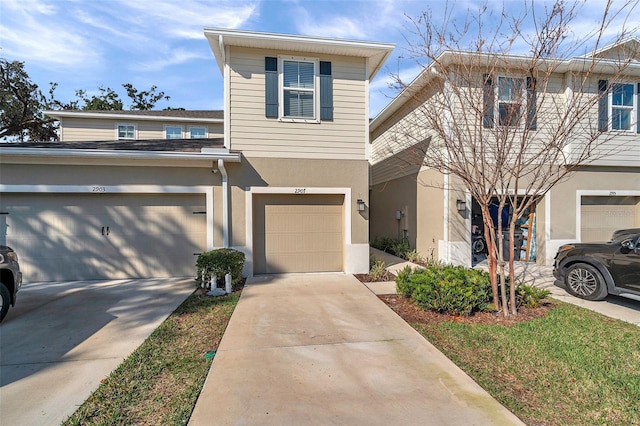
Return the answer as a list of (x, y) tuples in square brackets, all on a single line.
[(511, 95), (126, 131), (622, 106), (173, 132), (298, 89), (197, 132)]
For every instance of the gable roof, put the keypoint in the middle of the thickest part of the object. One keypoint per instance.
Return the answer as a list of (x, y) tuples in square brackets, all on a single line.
[(210, 116), (376, 52)]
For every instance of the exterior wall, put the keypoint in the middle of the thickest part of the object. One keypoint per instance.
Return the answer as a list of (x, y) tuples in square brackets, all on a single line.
[(93, 129), (308, 175), (257, 136), (564, 200)]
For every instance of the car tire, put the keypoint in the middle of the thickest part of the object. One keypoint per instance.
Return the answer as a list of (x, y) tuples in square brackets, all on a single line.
[(586, 282), (5, 300)]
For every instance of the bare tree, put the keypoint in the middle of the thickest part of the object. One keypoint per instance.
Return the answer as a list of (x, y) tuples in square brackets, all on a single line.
[(507, 106)]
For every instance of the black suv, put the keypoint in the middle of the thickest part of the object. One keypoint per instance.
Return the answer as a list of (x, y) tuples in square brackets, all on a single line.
[(10, 279), (593, 270)]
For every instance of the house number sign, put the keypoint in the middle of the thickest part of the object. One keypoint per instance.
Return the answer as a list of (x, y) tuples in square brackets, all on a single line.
[(300, 191), (98, 189)]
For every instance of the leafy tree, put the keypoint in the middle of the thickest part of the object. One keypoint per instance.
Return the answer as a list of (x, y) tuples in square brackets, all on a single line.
[(22, 105)]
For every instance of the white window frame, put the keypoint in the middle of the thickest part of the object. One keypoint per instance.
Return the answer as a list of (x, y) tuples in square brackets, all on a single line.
[(197, 127), (315, 90), (633, 109), (522, 103), (135, 131), (170, 126)]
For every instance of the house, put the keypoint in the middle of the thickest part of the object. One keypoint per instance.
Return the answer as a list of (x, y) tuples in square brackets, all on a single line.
[(436, 212), (140, 194)]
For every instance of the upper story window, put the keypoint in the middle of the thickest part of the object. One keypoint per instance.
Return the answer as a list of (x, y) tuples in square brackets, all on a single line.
[(298, 89), (197, 132), (126, 131), (619, 106), (623, 106), (172, 132), (513, 99), (511, 96)]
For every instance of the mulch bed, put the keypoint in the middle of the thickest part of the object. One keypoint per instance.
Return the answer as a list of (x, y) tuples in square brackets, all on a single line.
[(411, 313), (367, 278)]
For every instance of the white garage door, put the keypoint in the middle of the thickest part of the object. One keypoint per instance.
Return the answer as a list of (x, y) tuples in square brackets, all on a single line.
[(298, 233), (103, 236), (600, 216)]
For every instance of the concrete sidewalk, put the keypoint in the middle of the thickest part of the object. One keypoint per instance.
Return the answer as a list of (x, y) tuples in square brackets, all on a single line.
[(323, 349)]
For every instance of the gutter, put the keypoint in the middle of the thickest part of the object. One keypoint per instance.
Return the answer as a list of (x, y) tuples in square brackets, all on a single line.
[(225, 203), (204, 154)]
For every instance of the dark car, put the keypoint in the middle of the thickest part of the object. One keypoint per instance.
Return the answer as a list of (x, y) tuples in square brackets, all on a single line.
[(10, 279), (593, 270)]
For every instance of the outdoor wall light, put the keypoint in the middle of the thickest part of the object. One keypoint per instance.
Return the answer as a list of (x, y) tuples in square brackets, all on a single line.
[(461, 205), (360, 205)]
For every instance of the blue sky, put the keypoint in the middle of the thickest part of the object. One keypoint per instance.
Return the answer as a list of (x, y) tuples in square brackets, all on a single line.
[(85, 44)]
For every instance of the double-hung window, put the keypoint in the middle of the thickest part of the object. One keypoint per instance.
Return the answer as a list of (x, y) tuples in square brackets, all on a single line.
[(173, 132), (623, 106), (298, 92), (126, 131), (511, 97)]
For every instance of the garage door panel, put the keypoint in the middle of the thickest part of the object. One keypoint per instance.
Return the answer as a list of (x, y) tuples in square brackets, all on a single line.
[(104, 236), (298, 233), (602, 215)]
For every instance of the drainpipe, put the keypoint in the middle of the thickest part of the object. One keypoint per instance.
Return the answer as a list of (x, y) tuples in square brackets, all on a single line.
[(225, 203)]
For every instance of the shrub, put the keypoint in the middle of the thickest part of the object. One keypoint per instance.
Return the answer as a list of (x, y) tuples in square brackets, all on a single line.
[(377, 268), (530, 296), (396, 246), (445, 288), (219, 263)]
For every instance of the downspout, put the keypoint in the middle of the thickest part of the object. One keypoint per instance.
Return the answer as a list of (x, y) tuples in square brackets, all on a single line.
[(225, 203)]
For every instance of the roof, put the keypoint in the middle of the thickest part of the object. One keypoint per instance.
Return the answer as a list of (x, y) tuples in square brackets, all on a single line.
[(212, 116), (151, 149), (376, 52)]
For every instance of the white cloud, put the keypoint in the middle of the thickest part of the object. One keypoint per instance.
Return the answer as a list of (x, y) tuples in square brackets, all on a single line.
[(173, 57)]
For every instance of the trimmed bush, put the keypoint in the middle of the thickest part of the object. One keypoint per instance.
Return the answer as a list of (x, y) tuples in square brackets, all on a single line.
[(220, 262), (445, 288)]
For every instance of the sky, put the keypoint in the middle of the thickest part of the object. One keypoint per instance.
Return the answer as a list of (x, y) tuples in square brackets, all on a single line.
[(87, 44)]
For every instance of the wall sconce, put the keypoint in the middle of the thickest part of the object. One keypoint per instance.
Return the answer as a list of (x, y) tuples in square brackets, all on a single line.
[(360, 204), (461, 205)]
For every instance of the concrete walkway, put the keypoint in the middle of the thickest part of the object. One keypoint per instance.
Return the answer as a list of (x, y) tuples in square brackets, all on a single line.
[(323, 349), (62, 338)]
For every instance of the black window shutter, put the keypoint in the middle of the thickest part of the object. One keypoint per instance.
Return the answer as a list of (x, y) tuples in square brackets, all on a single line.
[(603, 106), (271, 87), (532, 99), (487, 102), (326, 91)]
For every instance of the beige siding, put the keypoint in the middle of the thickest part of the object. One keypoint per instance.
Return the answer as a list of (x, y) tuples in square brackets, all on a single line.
[(93, 129), (255, 135)]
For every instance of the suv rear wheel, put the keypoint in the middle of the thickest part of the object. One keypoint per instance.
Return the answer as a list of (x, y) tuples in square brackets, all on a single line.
[(586, 282), (5, 301)]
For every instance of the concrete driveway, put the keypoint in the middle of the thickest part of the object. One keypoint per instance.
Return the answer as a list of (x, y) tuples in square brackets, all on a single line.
[(62, 338), (322, 349)]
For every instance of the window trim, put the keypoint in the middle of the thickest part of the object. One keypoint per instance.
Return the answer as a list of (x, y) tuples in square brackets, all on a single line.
[(135, 131), (522, 119), (315, 91), (633, 109), (173, 126), (206, 131)]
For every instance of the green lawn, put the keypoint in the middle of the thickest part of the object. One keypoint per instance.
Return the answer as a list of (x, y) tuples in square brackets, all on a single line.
[(160, 382), (571, 367)]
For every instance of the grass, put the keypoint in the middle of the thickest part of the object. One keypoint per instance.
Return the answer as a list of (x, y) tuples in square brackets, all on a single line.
[(573, 366), (159, 383)]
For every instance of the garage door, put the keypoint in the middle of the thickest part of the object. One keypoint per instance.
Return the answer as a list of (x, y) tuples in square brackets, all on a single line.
[(103, 236), (298, 233), (600, 216)]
